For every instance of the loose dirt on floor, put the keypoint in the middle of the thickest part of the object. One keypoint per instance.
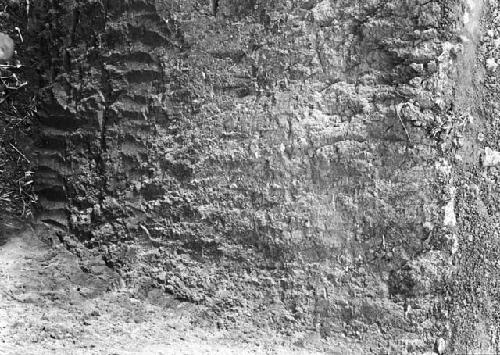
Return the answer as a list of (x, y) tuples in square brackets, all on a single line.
[(51, 304)]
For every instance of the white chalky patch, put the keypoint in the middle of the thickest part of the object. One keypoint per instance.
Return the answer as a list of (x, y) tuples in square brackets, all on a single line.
[(450, 219), (491, 157)]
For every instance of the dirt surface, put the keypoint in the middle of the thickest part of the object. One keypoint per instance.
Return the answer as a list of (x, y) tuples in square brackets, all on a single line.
[(48, 305)]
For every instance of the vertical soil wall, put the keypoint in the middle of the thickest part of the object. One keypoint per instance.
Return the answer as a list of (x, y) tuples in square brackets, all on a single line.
[(285, 163)]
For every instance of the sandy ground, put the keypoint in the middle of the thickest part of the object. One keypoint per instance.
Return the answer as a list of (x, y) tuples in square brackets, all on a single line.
[(48, 305)]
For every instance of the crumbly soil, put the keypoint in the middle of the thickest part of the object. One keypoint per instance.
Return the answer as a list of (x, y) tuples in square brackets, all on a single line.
[(339, 200), (49, 305)]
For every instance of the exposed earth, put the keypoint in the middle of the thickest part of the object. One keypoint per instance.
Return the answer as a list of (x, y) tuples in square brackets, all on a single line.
[(48, 305), (288, 176)]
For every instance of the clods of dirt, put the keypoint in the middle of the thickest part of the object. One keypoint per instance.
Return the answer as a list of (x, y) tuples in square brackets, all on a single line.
[(49, 305)]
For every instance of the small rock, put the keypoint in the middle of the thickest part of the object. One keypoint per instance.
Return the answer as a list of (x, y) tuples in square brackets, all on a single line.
[(491, 64), (418, 67), (428, 226), (449, 214), (6, 47), (450, 219), (490, 157), (162, 276), (432, 67), (440, 346)]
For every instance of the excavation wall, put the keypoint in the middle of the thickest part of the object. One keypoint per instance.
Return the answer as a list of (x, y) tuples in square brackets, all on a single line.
[(285, 163)]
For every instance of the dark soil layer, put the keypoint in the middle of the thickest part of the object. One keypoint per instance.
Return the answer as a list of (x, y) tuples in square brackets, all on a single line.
[(17, 109), (17, 106), (303, 167)]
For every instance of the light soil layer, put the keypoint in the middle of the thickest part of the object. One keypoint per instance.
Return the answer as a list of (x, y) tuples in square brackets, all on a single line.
[(48, 305), (473, 294), (288, 165)]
